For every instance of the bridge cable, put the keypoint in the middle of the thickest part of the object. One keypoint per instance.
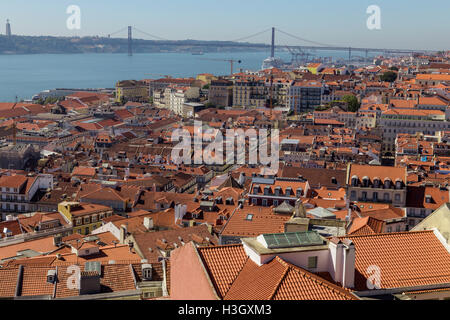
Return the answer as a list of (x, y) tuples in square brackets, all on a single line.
[(150, 35), (251, 36), (305, 40), (123, 29)]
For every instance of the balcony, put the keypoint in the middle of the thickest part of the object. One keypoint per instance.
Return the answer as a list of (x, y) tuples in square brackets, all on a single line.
[(13, 200)]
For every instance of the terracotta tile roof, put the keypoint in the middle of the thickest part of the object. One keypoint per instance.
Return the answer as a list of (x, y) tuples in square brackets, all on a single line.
[(43, 245), (114, 278), (372, 172), (416, 197), (279, 280), (366, 225), (83, 209), (436, 77), (8, 281), (13, 181), (165, 240), (83, 171), (316, 177), (405, 259), (34, 282), (119, 254), (236, 277), (263, 220), (13, 226), (223, 264)]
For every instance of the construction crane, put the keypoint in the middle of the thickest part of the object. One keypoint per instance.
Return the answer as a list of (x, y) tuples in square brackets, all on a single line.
[(159, 75), (271, 94), (231, 61)]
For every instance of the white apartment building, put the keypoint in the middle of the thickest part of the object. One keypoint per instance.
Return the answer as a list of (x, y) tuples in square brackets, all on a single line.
[(176, 97), (16, 192), (411, 121)]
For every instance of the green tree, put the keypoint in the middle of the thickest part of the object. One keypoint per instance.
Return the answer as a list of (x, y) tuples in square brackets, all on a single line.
[(352, 102), (389, 76)]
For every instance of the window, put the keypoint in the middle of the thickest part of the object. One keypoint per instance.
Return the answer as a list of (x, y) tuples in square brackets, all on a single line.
[(397, 197), (386, 197), (249, 217), (149, 295), (312, 262), (264, 202), (353, 195), (255, 201), (375, 196)]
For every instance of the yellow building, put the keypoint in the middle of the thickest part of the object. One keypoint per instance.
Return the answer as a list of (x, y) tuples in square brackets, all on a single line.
[(85, 217), (132, 90), (206, 78), (314, 68)]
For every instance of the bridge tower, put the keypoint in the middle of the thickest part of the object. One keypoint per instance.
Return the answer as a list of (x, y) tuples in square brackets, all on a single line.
[(272, 52), (130, 41), (8, 28)]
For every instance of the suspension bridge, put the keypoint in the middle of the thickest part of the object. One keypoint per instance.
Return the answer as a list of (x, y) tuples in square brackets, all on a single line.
[(306, 44)]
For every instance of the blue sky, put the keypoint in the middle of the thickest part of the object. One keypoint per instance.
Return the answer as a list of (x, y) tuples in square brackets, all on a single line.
[(404, 23)]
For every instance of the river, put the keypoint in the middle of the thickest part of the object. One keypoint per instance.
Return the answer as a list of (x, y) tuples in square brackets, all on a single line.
[(26, 75)]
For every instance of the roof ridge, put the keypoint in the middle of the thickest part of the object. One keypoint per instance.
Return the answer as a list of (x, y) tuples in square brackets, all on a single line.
[(221, 246), (283, 276), (387, 234), (316, 278)]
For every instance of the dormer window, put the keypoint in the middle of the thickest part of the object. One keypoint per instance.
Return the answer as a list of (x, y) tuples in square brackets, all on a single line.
[(376, 182), (147, 271), (289, 191), (428, 199), (229, 201), (355, 181), (387, 183), (277, 191), (365, 182), (267, 190), (398, 184), (51, 276), (299, 192), (256, 189)]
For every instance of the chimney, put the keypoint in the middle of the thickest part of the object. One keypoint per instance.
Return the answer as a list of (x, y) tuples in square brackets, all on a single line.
[(148, 223), (349, 264), (241, 180), (123, 233), (89, 282), (57, 241)]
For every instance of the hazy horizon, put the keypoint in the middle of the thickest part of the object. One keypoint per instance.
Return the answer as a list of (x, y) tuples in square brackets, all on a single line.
[(405, 24)]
